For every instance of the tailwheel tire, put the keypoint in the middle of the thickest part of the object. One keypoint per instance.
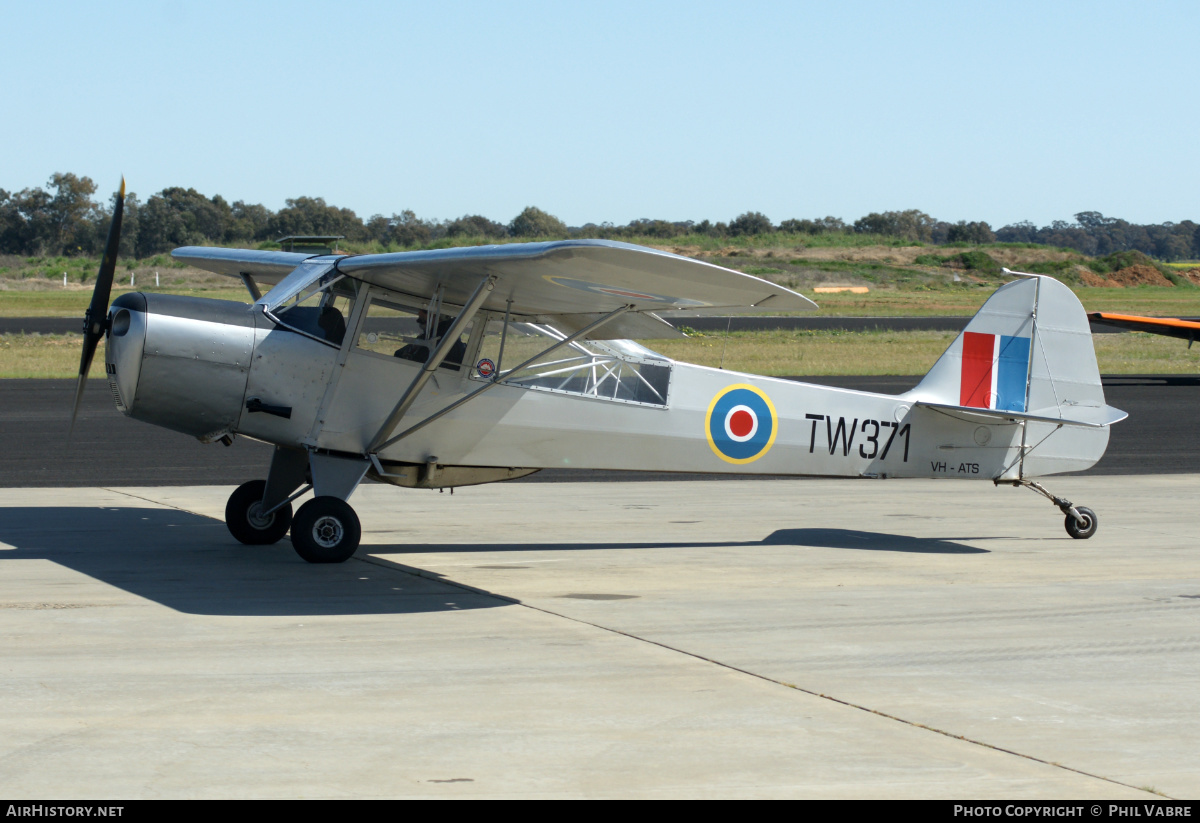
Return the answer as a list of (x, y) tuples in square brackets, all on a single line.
[(1089, 525), (326, 530), (243, 516)]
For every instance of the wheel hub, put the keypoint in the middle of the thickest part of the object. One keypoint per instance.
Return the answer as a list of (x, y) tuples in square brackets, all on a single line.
[(328, 531), (257, 519)]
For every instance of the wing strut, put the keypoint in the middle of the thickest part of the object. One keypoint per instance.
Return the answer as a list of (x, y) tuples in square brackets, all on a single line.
[(612, 315), (436, 356)]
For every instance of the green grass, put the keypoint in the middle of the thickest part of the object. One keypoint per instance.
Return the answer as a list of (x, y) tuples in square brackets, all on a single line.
[(45, 355), (769, 353), (73, 302), (1149, 300)]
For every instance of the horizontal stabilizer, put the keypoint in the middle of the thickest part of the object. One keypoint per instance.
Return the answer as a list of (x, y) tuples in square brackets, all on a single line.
[(1097, 417)]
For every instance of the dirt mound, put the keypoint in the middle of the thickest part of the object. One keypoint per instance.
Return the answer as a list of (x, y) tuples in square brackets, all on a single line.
[(1193, 275), (1139, 275), (1089, 278)]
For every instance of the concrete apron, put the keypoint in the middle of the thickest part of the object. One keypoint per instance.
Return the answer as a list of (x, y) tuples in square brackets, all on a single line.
[(805, 638)]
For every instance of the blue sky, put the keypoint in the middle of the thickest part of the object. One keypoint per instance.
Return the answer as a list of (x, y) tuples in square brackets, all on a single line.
[(609, 112)]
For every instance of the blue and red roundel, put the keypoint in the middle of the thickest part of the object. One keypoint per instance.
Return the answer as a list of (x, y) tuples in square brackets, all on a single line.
[(741, 424)]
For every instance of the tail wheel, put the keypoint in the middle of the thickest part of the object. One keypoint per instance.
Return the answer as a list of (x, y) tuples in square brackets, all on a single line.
[(1082, 531), (326, 530), (246, 522)]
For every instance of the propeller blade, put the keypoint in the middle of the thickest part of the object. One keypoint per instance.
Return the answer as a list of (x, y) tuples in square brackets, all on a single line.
[(95, 320)]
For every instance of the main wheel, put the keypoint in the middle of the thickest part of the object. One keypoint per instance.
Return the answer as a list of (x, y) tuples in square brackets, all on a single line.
[(326, 530), (1089, 524), (243, 516)]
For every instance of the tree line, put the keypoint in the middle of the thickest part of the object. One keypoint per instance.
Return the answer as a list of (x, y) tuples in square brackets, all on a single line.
[(64, 218)]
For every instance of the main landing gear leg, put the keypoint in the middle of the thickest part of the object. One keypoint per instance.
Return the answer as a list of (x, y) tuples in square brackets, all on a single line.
[(326, 529), (1081, 522), (250, 522), (259, 513)]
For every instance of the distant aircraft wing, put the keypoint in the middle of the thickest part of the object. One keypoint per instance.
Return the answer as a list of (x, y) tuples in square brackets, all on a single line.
[(569, 282), (1184, 328)]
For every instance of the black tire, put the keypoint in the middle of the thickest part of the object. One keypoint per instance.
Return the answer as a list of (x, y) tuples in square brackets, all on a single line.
[(326, 530), (1089, 527), (241, 516)]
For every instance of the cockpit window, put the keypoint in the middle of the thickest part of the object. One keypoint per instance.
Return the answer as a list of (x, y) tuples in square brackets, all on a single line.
[(410, 333), (619, 370), (320, 310)]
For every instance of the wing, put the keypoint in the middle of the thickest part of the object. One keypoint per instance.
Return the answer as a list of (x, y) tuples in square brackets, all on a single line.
[(1183, 328), (264, 266), (569, 282), (555, 278), (573, 277)]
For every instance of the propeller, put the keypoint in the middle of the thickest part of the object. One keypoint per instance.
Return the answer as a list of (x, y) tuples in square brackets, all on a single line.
[(95, 320)]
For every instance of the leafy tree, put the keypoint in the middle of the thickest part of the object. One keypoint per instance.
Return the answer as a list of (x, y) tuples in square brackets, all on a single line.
[(474, 225), (181, 217), (249, 221), (130, 225), (533, 222), (164, 223), (312, 216), (645, 227), (35, 232), (11, 224), (69, 210), (750, 223), (1023, 232), (964, 232), (403, 229), (821, 225), (409, 230), (911, 225)]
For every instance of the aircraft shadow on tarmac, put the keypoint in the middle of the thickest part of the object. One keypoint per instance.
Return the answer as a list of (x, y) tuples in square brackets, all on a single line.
[(191, 564), (800, 538)]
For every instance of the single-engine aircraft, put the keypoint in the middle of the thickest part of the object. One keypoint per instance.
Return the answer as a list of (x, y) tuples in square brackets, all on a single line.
[(525, 360)]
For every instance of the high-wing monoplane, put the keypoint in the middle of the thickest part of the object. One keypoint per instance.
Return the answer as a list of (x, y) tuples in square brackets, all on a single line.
[(453, 367)]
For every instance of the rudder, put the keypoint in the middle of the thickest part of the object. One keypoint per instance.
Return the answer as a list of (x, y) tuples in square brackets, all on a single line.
[(1027, 356)]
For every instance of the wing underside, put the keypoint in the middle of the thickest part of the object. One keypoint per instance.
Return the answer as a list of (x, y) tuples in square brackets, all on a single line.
[(564, 279)]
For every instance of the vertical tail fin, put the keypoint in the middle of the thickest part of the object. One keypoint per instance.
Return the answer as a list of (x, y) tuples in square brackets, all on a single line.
[(1028, 350), (1027, 358)]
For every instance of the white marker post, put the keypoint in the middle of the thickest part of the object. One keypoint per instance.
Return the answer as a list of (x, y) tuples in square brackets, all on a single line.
[(131, 280), (64, 278)]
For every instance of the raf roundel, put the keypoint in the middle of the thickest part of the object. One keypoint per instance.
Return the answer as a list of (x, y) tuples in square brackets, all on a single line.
[(741, 424)]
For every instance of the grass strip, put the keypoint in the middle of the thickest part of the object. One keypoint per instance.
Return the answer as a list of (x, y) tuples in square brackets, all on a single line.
[(761, 352)]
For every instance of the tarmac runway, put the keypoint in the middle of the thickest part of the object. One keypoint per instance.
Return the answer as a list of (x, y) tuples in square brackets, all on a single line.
[(1159, 437), (791, 638), (758, 638)]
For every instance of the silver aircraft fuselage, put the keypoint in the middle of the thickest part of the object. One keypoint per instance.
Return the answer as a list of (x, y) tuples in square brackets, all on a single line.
[(211, 369)]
